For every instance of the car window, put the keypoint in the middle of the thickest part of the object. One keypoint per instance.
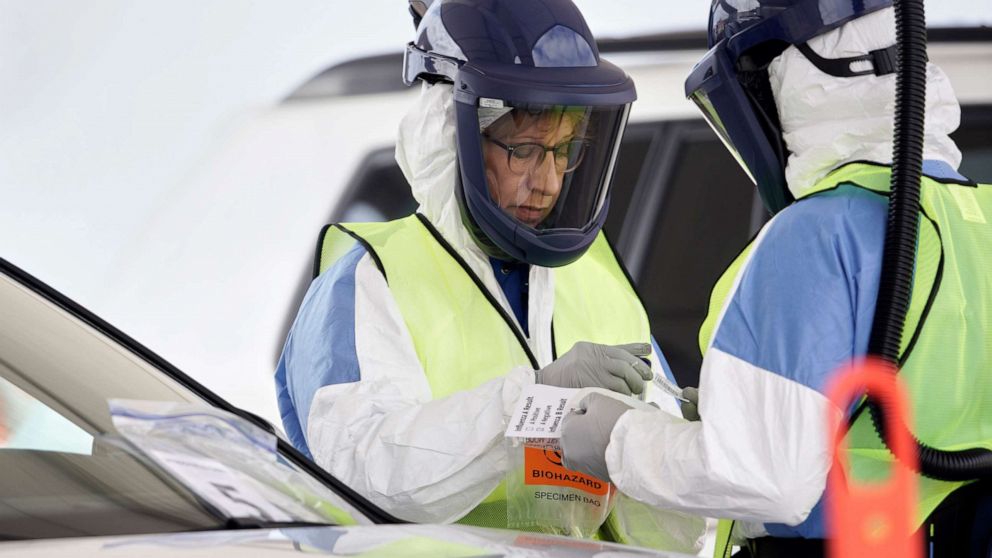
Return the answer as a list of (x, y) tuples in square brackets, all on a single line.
[(68, 470), (28, 424), (974, 139), (637, 140), (693, 212), (378, 192), (705, 214)]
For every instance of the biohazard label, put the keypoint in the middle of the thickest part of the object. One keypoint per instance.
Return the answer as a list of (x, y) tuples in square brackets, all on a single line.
[(542, 466)]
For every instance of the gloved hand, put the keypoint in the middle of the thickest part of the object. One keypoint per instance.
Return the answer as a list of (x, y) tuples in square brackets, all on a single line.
[(614, 367), (585, 433), (690, 410)]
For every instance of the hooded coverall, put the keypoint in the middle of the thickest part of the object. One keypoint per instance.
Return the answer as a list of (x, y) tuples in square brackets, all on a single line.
[(352, 384)]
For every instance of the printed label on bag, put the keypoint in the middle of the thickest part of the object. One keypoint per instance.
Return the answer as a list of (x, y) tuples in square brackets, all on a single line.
[(542, 465), (540, 412)]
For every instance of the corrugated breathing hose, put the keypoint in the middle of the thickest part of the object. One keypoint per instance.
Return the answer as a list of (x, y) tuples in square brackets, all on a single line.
[(899, 256)]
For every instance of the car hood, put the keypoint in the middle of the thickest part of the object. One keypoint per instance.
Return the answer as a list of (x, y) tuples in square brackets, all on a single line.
[(437, 541)]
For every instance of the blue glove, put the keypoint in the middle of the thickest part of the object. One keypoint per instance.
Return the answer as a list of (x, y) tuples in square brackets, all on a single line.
[(586, 431)]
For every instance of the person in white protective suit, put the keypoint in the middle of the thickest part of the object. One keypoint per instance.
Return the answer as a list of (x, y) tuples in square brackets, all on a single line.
[(803, 93), (411, 348)]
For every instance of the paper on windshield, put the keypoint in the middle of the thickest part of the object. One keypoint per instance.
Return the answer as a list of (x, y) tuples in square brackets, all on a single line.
[(221, 486), (230, 463)]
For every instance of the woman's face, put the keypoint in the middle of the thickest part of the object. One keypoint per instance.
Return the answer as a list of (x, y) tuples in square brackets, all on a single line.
[(528, 189)]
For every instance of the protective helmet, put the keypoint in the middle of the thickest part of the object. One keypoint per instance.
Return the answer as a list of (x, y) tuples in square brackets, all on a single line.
[(730, 84), (539, 120)]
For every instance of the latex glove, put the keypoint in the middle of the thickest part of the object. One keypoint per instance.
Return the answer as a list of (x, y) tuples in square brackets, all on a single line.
[(585, 433), (613, 367), (690, 410)]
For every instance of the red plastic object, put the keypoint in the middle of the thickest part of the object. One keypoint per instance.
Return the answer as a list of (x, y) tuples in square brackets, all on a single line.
[(876, 520)]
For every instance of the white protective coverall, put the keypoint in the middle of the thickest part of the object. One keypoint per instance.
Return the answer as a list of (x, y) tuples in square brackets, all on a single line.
[(379, 430), (801, 307)]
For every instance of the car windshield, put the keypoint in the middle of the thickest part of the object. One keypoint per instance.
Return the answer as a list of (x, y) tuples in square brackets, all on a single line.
[(161, 460)]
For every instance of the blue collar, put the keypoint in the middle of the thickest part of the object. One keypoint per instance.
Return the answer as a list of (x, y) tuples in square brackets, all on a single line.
[(941, 169)]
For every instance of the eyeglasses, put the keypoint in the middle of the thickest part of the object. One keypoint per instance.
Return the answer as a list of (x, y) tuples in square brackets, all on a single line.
[(525, 157)]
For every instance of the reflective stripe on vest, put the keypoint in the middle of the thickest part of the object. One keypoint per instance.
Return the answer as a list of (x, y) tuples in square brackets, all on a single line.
[(462, 336), (945, 362)]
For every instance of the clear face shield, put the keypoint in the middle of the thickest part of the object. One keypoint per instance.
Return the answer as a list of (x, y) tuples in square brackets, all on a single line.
[(549, 166), (742, 123), (705, 106)]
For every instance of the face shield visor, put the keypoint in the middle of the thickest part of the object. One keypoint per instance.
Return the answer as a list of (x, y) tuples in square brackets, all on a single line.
[(548, 167), (748, 128), (539, 117), (702, 101), (730, 84), (537, 156)]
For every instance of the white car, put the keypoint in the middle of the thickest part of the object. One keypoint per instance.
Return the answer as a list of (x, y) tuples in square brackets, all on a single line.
[(108, 450)]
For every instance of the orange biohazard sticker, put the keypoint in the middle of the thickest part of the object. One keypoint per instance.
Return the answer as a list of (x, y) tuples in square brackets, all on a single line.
[(542, 465)]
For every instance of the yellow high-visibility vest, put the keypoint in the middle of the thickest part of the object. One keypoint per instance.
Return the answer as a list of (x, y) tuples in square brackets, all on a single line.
[(463, 337), (944, 364)]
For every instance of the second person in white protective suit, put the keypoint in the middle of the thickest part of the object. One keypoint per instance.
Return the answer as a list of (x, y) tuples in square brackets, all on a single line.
[(411, 349), (802, 92)]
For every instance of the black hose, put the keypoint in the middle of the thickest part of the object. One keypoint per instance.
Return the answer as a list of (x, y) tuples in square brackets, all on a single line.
[(899, 255)]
